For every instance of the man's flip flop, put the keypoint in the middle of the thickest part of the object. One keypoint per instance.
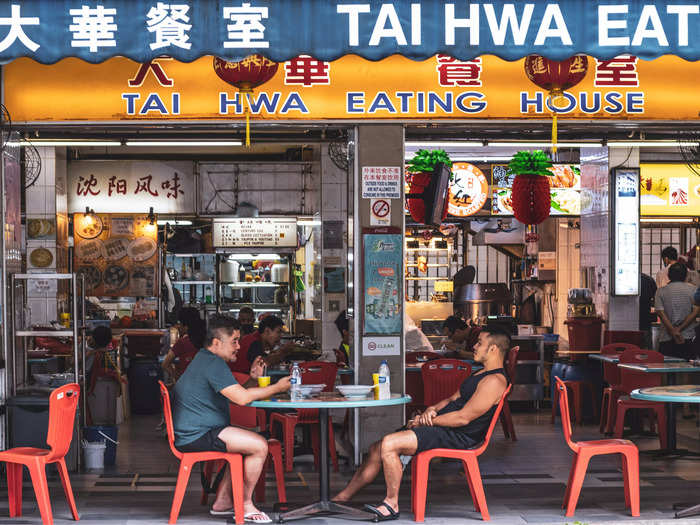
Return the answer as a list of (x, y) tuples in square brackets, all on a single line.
[(225, 512), (393, 515), (257, 517)]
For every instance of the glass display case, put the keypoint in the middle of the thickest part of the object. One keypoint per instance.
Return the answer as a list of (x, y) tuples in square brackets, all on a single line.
[(260, 281), (194, 276)]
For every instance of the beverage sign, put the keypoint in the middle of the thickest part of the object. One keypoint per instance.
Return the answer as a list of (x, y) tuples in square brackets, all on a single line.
[(270, 232), (626, 232), (383, 259)]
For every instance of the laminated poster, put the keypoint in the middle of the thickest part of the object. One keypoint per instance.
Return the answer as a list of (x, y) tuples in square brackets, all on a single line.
[(382, 271)]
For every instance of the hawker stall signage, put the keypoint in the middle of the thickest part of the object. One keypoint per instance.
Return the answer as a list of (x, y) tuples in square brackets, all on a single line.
[(50, 30), (350, 88), (131, 186), (255, 233)]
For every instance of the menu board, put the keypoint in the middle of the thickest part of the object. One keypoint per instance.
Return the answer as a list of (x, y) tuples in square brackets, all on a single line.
[(565, 189), (270, 232), (669, 190), (117, 254), (626, 231)]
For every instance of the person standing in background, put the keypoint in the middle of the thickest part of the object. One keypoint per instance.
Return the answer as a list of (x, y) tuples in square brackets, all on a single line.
[(343, 325), (246, 316), (192, 334), (677, 311), (669, 256), (646, 301)]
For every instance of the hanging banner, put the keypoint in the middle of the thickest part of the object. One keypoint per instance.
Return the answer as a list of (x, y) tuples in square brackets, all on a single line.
[(383, 256), (124, 186), (350, 88), (50, 30)]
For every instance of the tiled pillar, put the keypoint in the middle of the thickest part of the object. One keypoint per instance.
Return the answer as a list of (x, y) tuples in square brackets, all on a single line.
[(46, 202)]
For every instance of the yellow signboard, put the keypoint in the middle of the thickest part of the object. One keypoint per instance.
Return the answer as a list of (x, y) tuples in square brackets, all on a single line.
[(669, 189), (350, 88)]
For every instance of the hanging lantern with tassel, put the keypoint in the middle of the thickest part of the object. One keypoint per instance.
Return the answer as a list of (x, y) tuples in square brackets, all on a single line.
[(555, 77), (530, 195), (246, 75)]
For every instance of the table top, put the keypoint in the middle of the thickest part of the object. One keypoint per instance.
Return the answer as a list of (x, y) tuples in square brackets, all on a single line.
[(668, 368), (416, 367), (669, 394), (281, 372), (331, 400), (613, 358)]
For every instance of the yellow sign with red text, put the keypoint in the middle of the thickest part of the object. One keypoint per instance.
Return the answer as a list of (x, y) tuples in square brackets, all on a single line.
[(350, 88)]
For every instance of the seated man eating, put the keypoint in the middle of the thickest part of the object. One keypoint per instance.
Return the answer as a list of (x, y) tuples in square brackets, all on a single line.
[(201, 413), (458, 422)]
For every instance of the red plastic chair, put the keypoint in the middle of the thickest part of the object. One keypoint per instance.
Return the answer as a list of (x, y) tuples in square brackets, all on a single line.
[(611, 376), (585, 450), (633, 337), (506, 417), (442, 378), (247, 417), (62, 405), (631, 379), (189, 459), (312, 373), (421, 356), (421, 467)]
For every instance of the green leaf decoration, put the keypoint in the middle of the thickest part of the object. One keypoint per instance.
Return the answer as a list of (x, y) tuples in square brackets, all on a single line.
[(425, 160), (530, 163)]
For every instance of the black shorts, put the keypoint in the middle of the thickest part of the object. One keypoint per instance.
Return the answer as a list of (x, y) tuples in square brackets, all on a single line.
[(208, 442), (442, 437)]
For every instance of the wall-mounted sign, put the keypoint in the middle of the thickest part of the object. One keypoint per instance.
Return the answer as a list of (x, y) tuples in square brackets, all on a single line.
[(383, 259), (625, 220), (669, 190), (258, 232), (124, 186), (565, 189), (469, 190), (381, 346), (380, 210), (350, 88), (381, 182), (117, 255)]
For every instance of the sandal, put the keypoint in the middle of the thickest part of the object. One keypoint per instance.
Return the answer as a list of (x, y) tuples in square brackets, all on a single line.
[(378, 516), (225, 512), (257, 517)]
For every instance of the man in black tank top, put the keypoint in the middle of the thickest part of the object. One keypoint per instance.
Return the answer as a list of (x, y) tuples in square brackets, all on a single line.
[(460, 421)]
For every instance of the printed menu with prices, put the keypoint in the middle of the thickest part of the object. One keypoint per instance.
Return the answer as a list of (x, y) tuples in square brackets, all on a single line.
[(254, 232)]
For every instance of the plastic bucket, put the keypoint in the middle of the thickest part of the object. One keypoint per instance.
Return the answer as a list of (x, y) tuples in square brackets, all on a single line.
[(108, 435), (585, 333), (94, 454)]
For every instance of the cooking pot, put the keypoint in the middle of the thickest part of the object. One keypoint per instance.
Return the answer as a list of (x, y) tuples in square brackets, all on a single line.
[(228, 271), (280, 273)]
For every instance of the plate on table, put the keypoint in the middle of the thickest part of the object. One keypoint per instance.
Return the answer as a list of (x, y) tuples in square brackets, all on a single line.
[(115, 277), (311, 390), (355, 390), (142, 249)]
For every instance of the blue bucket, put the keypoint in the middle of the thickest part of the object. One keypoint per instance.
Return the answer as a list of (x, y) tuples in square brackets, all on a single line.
[(108, 434)]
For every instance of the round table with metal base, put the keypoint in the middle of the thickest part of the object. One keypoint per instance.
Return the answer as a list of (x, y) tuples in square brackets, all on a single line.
[(323, 403), (672, 394)]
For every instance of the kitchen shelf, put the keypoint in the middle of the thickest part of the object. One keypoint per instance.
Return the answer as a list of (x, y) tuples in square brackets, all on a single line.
[(267, 306), (260, 284), (169, 254), (192, 282)]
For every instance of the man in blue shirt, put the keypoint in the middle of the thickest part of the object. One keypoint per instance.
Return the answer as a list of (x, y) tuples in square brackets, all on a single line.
[(201, 412)]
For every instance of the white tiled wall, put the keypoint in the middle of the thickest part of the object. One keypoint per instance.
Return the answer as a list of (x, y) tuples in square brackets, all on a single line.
[(568, 272)]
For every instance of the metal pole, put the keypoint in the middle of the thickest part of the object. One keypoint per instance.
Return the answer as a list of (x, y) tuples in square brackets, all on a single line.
[(74, 298), (324, 477), (83, 343), (8, 324)]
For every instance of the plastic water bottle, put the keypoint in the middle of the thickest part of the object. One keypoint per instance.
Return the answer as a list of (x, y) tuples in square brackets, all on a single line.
[(295, 380), (384, 381)]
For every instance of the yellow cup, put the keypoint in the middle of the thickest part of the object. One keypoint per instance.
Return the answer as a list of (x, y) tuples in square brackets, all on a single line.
[(375, 382), (263, 381)]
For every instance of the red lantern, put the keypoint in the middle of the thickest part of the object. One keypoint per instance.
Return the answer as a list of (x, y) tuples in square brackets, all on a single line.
[(555, 77), (531, 198), (416, 207), (246, 75)]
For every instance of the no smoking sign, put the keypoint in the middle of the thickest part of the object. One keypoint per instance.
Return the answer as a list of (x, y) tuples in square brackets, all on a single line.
[(380, 212)]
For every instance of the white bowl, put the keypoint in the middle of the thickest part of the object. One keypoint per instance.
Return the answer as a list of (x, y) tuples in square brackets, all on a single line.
[(311, 390), (355, 390)]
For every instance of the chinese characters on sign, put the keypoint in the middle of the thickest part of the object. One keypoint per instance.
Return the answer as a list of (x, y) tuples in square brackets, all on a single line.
[(307, 71), (254, 233), (453, 72), (131, 186), (620, 71), (381, 182)]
